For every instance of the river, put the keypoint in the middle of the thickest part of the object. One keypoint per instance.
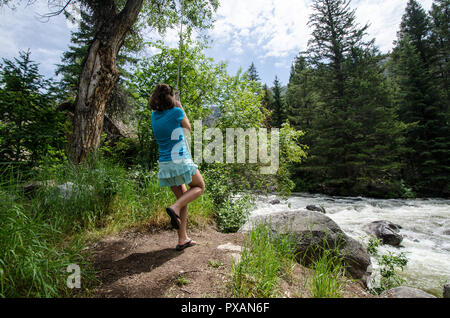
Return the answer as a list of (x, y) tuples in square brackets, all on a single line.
[(425, 228)]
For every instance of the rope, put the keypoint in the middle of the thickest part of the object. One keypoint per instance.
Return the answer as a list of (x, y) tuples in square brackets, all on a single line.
[(178, 94)]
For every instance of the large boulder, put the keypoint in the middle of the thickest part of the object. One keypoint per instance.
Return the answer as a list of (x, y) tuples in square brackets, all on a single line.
[(386, 231), (310, 230), (405, 292)]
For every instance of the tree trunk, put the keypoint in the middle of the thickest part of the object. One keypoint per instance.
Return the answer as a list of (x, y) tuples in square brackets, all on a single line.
[(98, 76)]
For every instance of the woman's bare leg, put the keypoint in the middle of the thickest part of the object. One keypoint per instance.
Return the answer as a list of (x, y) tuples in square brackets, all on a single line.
[(182, 231), (196, 189)]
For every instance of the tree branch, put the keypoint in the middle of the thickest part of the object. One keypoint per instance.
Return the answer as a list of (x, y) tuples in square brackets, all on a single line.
[(55, 13)]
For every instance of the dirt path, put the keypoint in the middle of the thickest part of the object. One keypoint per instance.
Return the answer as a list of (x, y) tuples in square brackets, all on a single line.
[(147, 265)]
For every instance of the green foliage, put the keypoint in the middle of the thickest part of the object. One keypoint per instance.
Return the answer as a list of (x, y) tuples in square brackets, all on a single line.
[(419, 72), (32, 262), (31, 129), (389, 266), (239, 99), (253, 73), (233, 214), (277, 105), (265, 260), (372, 246), (200, 82), (215, 263), (46, 230), (329, 268), (344, 104), (301, 97)]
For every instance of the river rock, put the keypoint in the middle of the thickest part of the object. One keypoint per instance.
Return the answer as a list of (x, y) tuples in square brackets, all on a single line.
[(314, 229), (316, 208), (446, 232), (276, 201), (405, 292), (446, 293), (386, 231)]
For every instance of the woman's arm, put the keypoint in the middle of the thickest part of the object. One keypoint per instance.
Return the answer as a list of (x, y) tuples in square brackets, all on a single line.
[(185, 123)]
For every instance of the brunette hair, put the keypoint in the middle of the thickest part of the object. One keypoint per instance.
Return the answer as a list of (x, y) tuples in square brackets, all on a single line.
[(163, 98)]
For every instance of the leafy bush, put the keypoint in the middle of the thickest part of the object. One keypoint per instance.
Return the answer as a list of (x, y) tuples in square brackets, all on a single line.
[(389, 266), (233, 214)]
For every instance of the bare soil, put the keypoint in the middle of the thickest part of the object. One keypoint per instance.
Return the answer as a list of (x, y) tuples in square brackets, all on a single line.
[(146, 265)]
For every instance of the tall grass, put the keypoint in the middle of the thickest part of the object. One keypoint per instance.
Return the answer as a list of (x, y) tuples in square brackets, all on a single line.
[(329, 270), (265, 259), (41, 234), (31, 258)]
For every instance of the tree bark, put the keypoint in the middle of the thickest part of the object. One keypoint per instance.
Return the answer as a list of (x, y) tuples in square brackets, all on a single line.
[(98, 75)]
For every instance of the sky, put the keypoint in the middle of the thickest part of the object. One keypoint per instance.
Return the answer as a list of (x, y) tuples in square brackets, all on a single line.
[(269, 33)]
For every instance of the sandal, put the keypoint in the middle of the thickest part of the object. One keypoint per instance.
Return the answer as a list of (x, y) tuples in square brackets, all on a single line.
[(173, 218), (188, 244)]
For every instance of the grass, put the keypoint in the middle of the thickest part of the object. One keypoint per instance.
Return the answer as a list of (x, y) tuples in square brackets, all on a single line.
[(327, 280), (266, 258), (182, 281), (44, 232), (215, 263)]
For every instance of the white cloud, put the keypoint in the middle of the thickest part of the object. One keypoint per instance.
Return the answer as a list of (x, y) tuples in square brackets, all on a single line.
[(22, 29), (384, 17), (278, 28)]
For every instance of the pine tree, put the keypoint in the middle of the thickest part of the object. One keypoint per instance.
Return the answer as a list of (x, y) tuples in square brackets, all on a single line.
[(253, 73), (416, 25), (72, 59), (335, 33), (422, 104), (277, 106), (355, 137), (300, 95), (440, 41), (267, 101), (29, 123)]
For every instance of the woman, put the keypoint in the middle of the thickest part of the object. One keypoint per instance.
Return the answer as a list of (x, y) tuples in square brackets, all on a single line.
[(176, 168)]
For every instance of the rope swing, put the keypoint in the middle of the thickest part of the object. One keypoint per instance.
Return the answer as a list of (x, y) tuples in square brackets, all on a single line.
[(177, 91)]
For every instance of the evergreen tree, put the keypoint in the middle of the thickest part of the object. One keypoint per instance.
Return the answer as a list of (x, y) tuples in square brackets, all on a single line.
[(334, 35), (72, 59), (422, 104), (300, 95), (355, 136), (267, 101), (277, 106), (30, 126), (416, 25), (440, 41), (253, 73)]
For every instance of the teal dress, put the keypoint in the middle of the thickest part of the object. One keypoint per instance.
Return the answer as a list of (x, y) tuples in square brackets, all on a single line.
[(175, 162)]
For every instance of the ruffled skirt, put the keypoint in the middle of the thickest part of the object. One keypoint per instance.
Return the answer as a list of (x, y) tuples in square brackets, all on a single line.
[(176, 174)]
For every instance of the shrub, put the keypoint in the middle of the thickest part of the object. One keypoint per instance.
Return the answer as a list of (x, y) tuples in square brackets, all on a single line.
[(387, 276)]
